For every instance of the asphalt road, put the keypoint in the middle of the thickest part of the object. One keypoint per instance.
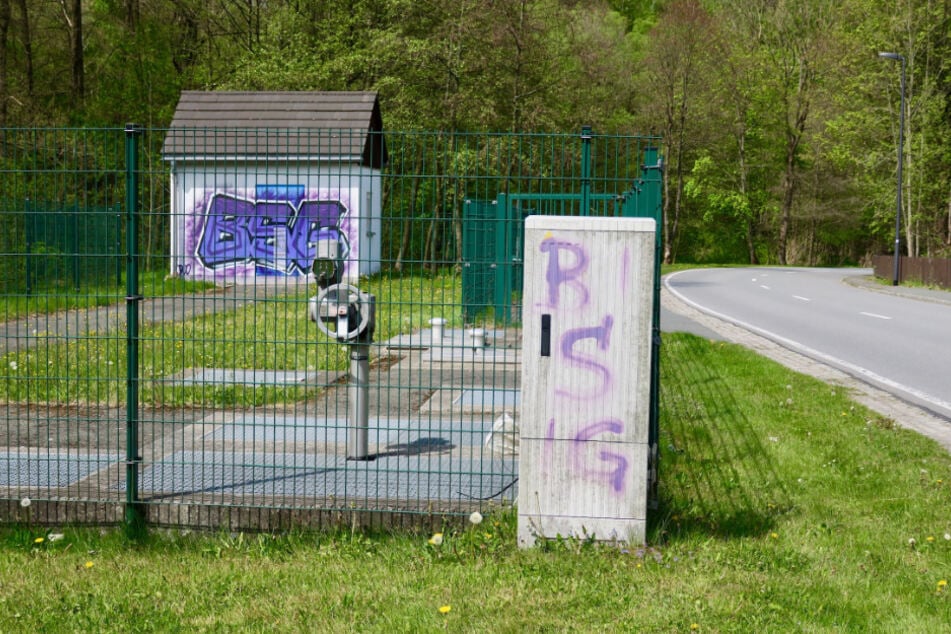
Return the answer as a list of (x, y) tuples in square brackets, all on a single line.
[(897, 341)]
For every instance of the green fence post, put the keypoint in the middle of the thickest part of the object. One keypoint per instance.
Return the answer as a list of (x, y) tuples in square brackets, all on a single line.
[(502, 288), (117, 246), (74, 245), (28, 230), (649, 205), (134, 510), (585, 170)]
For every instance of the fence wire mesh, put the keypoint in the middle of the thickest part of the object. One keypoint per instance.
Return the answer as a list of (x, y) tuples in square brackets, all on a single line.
[(232, 400)]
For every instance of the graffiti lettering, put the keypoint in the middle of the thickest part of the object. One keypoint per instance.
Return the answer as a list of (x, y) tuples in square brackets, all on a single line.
[(590, 374), (556, 275), (615, 475), (602, 335), (278, 235)]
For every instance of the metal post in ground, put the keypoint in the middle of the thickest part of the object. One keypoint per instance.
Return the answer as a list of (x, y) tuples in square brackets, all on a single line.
[(134, 510), (358, 438)]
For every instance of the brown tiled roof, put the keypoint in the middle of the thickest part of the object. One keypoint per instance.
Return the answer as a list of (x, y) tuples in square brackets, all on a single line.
[(255, 125)]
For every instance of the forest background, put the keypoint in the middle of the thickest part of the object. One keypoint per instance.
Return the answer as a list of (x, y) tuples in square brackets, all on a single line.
[(779, 118)]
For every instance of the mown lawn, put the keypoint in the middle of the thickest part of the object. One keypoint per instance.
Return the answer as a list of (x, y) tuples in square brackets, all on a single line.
[(784, 507)]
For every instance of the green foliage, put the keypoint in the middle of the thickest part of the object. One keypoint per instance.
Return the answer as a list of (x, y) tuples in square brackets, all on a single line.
[(273, 334), (787, 98)]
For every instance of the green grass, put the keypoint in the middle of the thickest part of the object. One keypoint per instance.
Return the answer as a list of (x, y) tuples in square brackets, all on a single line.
[(270, 333), (784, 507), (61, 295)]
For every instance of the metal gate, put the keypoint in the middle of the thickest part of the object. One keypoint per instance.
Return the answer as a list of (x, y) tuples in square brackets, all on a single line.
[(493, 236)]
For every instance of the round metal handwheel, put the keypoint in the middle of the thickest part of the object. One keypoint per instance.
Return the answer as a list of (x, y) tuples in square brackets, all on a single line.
[(340, 312)]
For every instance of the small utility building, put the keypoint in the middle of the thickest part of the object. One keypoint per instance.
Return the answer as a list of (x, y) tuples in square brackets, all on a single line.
[(263, 182)]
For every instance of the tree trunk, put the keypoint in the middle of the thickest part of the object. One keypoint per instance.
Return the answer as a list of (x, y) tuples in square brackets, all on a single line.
[(665, 175), (132, 14), (408, 219), (785, 218), (75, 19), (27, 42), (795, 130), (4, 30)]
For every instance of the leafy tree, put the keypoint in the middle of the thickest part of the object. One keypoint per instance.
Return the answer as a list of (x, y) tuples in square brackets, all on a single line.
[(677, 63)]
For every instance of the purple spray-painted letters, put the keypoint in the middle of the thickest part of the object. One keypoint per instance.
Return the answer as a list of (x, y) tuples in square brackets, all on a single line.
[(590, 376), (277, 235)]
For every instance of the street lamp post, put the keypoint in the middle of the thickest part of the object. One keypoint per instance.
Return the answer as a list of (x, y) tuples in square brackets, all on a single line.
[(901, 145)]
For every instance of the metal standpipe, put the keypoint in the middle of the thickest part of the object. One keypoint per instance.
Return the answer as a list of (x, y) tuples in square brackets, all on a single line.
[(358, 438), (348, 315)]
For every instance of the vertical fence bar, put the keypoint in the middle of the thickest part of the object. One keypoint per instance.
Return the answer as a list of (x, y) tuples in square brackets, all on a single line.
[(75, 246), (134, 512), (585, 171), (28, 221), (117, 244), (651, 192)]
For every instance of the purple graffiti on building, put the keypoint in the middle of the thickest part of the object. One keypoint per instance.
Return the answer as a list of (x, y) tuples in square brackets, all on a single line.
[(558, 273), (275, 235), (602, 335)]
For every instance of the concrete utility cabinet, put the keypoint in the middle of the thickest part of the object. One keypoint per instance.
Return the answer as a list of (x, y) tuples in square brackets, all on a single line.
[(587, 309)]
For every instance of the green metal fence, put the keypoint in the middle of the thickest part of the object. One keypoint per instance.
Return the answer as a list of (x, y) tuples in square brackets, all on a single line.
[(200, 383)]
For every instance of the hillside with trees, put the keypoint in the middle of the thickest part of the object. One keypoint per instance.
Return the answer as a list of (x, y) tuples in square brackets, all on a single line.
[(780, 120)]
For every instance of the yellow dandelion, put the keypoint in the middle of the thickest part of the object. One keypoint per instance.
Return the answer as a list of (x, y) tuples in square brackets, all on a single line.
[(89, 564), (445, 609), (38, 540), (695, 626), (942, 584), (774, 535), (436, 539), (930, 538)]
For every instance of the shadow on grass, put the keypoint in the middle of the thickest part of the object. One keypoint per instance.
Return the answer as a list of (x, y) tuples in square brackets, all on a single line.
[(716, 475)]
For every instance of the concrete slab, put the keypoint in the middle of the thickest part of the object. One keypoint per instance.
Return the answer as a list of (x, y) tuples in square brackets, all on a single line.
[(489, 398), (451, 338), (226, 376), (487, 355), (40, 468), (385, 435), (473, 400), (415, 477), (294, 429)]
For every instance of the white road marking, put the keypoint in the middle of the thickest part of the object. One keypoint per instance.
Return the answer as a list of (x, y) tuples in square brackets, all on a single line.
[(876, 316), (764, 286), (801, 298), (851, 368)]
